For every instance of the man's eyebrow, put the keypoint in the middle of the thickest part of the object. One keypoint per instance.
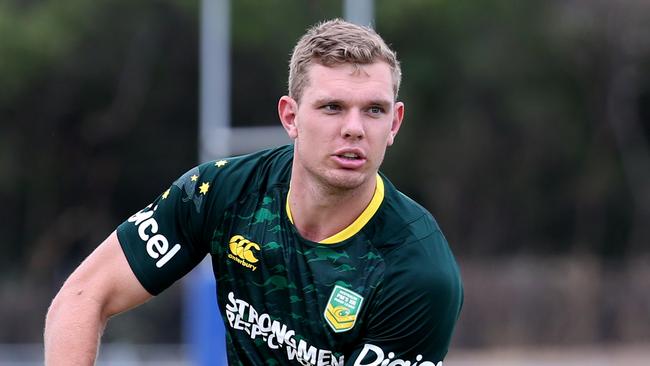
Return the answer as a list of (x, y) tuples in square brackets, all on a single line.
[(381, 102), (327, 100), (332, 100)]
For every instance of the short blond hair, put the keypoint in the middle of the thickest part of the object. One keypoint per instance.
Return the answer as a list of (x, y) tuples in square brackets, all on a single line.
[(336, 42)]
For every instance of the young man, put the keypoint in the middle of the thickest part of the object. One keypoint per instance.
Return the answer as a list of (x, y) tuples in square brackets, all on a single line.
[(319, 260)]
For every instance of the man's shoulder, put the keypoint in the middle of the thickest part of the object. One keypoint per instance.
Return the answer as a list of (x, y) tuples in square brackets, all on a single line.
[(409, 238), (250, 171), (416, 253), (220, 183), (401, 220)]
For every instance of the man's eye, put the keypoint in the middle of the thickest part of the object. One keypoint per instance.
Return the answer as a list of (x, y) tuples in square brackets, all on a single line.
[(375, 110), (331, 107)]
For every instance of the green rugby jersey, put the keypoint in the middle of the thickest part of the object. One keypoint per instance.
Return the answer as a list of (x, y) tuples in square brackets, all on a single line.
[(386, 290)]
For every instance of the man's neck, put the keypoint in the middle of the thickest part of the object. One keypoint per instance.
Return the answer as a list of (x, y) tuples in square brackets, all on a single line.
[(318, 212)]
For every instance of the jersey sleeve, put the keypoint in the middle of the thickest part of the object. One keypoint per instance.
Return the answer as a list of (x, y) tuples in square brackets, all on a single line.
[(169, 237), (413, 315)]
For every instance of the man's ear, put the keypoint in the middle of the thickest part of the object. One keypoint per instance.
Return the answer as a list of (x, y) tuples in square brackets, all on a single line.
[(287, 110), (398, 116)]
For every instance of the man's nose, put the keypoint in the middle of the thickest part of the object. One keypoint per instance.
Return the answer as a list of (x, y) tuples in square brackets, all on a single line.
[(353, 125)]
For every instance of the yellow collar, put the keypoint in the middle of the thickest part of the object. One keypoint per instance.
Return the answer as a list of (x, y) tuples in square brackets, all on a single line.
[(359, 223)]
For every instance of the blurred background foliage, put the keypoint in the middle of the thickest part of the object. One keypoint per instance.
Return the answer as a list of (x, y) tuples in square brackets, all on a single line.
[(526, 135)]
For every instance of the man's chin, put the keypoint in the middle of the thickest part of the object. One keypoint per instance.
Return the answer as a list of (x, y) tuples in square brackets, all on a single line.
[(346, 180)]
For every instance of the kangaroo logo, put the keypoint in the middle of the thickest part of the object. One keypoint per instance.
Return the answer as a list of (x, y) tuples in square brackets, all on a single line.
[(241, 251)]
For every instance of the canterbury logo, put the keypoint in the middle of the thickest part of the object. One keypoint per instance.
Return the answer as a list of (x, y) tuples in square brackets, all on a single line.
[(241, 251)]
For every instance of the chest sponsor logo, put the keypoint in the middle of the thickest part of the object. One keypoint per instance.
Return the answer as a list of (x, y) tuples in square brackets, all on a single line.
[(243, 251), (243, 317), (372, 355), (157, 245), (342, 309)]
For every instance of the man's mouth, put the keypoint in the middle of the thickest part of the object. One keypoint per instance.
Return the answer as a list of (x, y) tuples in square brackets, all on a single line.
[(349, 156)]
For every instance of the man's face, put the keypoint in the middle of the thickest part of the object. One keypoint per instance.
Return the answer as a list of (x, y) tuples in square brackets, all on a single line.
[(345, 120)]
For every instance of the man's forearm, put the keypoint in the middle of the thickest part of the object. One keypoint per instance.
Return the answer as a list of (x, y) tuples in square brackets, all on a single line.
[(102, 286), (73, 328)]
